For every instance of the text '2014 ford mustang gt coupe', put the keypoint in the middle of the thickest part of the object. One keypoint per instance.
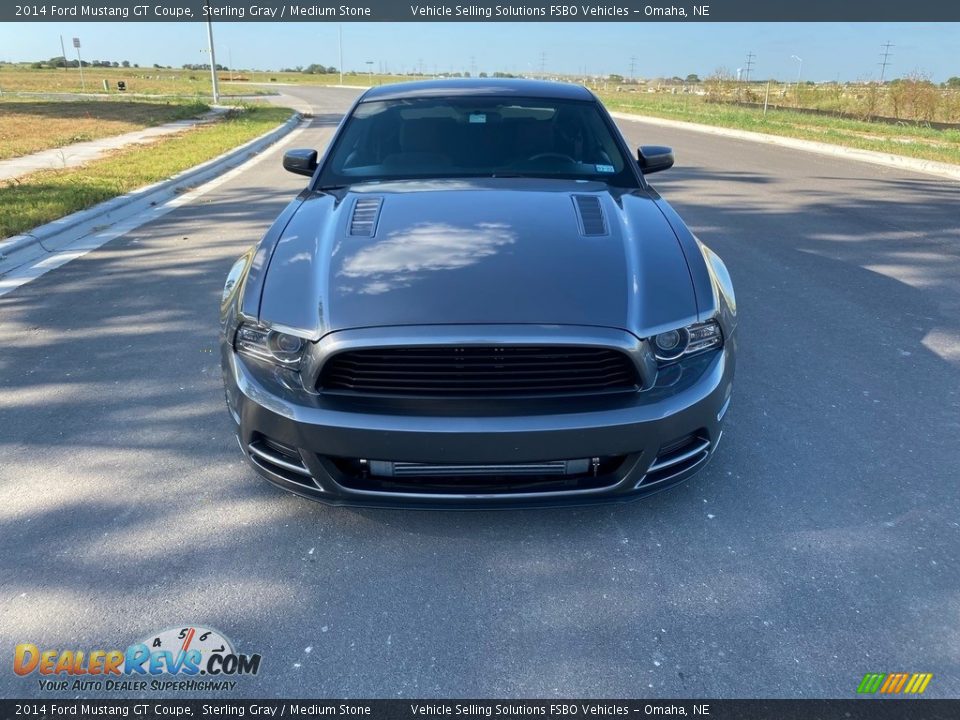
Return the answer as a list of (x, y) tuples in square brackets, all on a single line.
[(478, 300)]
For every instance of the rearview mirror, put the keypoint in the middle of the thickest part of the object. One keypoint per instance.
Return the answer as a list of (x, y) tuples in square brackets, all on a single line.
[(654, 158), (301, 162)]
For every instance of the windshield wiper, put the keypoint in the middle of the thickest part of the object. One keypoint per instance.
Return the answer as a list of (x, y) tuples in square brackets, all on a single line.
[(513, 175)]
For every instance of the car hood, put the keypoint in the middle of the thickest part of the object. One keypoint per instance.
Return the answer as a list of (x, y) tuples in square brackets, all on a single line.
[(494, 252)]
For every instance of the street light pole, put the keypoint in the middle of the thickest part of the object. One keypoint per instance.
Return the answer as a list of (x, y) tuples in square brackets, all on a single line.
[(213, 58), (76, 44)]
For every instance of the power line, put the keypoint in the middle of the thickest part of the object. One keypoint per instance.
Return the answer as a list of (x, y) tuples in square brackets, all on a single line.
[(748, 67), (886, 55)]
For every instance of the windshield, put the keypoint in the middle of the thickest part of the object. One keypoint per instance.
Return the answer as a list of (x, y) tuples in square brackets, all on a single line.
[(476, 137)]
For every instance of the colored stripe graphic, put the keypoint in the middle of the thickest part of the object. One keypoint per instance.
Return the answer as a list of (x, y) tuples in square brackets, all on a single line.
[(871, 682), (889, 683), (923, 679), (894, 683)]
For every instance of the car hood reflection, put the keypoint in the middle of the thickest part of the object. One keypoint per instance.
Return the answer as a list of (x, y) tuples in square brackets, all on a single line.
[(477, 255), (404, 256)]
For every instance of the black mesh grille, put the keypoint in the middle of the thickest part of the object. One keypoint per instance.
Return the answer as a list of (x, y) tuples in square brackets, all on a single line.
[(475, 371)]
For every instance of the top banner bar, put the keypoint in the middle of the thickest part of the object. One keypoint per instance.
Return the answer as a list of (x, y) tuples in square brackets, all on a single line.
[(481, 11)]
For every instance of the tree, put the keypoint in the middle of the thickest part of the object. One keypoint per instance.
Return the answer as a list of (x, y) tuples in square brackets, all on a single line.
[(718, 84), (693, 78), (914, 97), (125, 63), (953, 83)]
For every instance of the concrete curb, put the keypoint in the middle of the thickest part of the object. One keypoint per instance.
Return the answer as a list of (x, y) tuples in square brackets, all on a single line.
[(928, 167), (22, 249)]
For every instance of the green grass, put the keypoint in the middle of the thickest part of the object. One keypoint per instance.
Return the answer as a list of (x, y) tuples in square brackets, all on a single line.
[(139, 81), (20, 78), (44, 196), (29, 126), (908, 140)]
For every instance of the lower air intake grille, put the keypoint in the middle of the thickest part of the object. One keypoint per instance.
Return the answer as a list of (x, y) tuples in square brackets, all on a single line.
[(678, 457), (479, 371), (551, 467)]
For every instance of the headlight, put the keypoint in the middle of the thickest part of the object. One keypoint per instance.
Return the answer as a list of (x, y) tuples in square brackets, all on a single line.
[(674, 344), (271, 345)]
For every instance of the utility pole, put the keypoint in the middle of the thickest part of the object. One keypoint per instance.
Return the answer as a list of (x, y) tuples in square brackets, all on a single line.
[(340, 47), (63, 51), (543, 65), (213, 58), (885, 54), (633, 67), (749, 66)]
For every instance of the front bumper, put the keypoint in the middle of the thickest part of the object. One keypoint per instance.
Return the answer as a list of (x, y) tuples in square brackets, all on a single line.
[(648, 440)]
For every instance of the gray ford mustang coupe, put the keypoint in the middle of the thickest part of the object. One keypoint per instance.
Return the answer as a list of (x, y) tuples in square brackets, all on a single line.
[(478, 300)]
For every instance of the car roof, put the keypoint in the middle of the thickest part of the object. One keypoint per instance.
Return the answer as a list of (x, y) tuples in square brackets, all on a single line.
[(477, 87)]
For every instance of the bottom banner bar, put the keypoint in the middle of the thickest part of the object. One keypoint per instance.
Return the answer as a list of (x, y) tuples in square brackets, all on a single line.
[(861, 709)]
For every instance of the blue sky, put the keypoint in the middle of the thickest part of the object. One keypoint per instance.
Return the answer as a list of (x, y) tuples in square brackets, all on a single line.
[(830, 51)]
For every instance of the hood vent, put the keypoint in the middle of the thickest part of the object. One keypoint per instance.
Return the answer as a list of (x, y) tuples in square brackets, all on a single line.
[(366, 212), (590, 212)]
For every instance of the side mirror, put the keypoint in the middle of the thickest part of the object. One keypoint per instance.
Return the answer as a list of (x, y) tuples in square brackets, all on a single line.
[(301, 162), (654, 158)]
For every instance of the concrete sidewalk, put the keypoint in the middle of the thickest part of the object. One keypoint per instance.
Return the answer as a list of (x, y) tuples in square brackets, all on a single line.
[(80, 153)]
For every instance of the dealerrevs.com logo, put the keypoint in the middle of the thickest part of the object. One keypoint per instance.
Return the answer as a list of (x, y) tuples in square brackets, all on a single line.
[(183, 653)]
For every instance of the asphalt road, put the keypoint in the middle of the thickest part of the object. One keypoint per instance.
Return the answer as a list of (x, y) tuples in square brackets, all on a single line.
[(820, 544)]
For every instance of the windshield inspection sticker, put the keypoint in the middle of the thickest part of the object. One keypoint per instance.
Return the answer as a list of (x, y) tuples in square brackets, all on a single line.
[(478, 117), (605, 169)]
